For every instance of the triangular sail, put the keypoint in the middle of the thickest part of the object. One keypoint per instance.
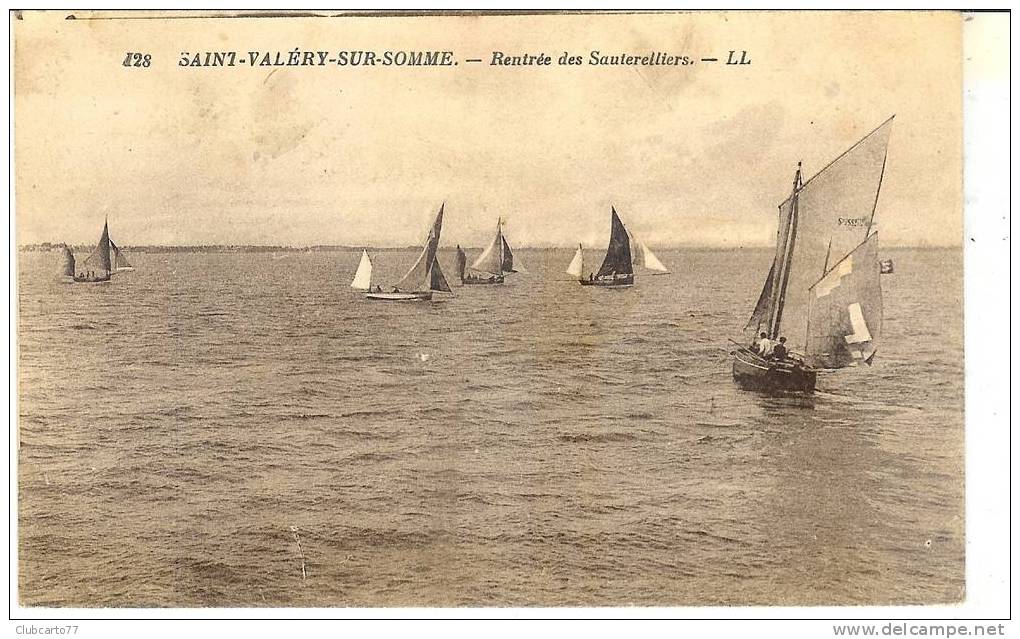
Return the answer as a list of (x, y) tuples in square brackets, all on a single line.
[(646, 257), (437, 281), (845, 310), (650, 261), (761, 309), (100, 258), (618, 258), (491, 259), (68, 269), (576, 267), (120, 262), (826, 218), (363, 276), (508, 257), (419, 277)]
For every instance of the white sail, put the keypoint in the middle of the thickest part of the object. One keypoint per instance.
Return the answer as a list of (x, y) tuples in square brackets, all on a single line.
[(363, 276), (645, 256), (491, 259), (577, 264), (650, 261)]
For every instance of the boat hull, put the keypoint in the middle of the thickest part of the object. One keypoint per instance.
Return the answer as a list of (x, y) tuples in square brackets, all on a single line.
[(400, 297), (752, 372), (91, 280), (477, 281), (618, 282)]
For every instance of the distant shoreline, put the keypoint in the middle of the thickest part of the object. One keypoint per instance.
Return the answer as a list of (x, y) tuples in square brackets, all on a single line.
[(331, 248)]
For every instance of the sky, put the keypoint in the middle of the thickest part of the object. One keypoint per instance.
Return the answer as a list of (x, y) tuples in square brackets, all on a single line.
[(696, 155)]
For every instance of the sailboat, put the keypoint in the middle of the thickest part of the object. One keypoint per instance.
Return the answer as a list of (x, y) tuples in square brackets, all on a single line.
[(822, 295), (424, 277), (617, 268), (492, 265), (106, 260), (363, 276)]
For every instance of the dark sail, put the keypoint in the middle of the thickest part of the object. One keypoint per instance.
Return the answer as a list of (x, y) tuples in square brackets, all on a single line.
[(508, 258), (419, 277), (461, 263), (437, 281), (68, 262), (761, 309), (101, 256), (618, 259)]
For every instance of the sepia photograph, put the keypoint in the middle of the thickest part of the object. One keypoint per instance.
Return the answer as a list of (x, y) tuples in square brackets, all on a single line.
[(501, 310)]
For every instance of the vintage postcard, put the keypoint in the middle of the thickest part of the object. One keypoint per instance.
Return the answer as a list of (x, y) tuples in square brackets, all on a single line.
[(353, 309)]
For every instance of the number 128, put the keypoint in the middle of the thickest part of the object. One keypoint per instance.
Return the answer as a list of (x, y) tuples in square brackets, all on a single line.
[(137, 59)]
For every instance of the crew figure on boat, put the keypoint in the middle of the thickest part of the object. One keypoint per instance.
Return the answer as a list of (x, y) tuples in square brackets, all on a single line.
[(822, 289), (766, 348)]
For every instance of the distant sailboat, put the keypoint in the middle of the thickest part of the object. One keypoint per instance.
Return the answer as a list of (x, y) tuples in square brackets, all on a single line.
[(617, 268), (493, 264), (106, 260), (822, 293), (363, 276), (424, 277)]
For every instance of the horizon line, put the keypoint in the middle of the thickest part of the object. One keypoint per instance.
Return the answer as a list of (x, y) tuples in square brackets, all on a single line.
[(663, 247)]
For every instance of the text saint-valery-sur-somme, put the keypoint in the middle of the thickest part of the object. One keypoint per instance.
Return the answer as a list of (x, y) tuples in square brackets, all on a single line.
[(362, 58)]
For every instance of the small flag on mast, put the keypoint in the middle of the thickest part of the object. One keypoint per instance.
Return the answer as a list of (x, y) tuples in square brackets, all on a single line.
[(885, 267)]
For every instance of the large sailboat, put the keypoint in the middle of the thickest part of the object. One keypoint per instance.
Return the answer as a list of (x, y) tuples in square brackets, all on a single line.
[(105, 261), (492, 265), (424, 277), (822, 296), (617, 268)]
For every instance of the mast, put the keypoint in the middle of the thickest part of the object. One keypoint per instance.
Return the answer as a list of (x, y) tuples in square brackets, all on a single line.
[(790, 238)]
